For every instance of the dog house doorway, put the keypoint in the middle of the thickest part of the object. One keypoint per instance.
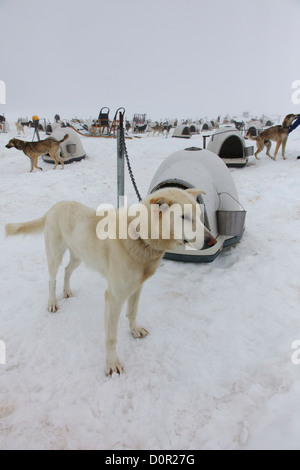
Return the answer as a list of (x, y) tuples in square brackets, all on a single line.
[(232, 147)]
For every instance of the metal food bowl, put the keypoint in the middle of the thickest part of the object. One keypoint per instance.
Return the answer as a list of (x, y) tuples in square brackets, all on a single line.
[(231, 222)]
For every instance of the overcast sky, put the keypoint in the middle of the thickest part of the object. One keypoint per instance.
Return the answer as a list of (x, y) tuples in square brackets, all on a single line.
[(165, 58)]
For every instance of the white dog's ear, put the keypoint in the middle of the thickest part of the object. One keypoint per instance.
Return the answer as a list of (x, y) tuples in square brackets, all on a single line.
[(194, 192), (162, 204)]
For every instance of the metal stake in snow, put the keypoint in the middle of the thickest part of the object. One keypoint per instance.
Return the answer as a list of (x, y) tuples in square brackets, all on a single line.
[(120, 159), (122, 154)]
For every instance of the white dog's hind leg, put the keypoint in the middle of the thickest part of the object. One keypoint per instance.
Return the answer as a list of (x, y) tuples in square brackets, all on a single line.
[(55, 250), (113, 308), (132, 310), (73, 264)]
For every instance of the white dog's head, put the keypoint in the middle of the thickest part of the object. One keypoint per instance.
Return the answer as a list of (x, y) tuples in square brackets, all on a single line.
[(174, 219)]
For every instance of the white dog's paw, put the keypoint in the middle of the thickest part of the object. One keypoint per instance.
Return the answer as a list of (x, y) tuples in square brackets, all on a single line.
[(68, 293), (139, 332), (52, 307), (114, 366)]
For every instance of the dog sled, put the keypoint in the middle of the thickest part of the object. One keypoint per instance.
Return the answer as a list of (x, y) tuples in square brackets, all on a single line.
[(102, 127), (102, 124), (140, 123)]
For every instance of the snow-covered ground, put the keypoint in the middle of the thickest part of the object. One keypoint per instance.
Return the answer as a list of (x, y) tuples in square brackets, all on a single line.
[(216, 371)]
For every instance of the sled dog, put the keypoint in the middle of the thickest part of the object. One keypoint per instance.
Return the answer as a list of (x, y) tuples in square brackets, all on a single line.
[(126, 262), (34, 150), (20, 128), (278, 134), (155, 127)]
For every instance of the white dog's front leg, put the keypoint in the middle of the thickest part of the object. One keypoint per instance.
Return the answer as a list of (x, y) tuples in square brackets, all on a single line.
[(52, 302), (132, 310), (112, 314)]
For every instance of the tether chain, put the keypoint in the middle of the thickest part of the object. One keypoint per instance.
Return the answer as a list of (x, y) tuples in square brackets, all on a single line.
[(123, 151)]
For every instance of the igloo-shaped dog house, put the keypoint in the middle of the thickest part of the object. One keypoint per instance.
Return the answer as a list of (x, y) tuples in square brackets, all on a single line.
[(230, 146), (206, 126), (254, 128), (182, 131), (223, 214), (71, 150), (194, 129)]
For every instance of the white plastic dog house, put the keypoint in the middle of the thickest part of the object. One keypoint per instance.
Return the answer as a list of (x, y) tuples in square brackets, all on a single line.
[(50, 128), (267, 122), (206, 126), (223, 215), (194, 129), (71, 150), (229, 144), (182, 131), (254, 127)]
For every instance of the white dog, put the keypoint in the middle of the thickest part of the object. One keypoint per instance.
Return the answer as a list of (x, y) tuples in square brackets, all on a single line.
[(20, 128), (126, 262)]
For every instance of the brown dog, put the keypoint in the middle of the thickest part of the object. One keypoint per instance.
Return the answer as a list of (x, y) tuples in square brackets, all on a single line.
[(34, 150), (278, 134)]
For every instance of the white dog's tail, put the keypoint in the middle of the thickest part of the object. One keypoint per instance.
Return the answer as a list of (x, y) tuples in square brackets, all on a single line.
[(33, 226)]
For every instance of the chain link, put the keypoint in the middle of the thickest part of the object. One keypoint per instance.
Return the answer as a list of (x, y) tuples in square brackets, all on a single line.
[(123, 151)]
